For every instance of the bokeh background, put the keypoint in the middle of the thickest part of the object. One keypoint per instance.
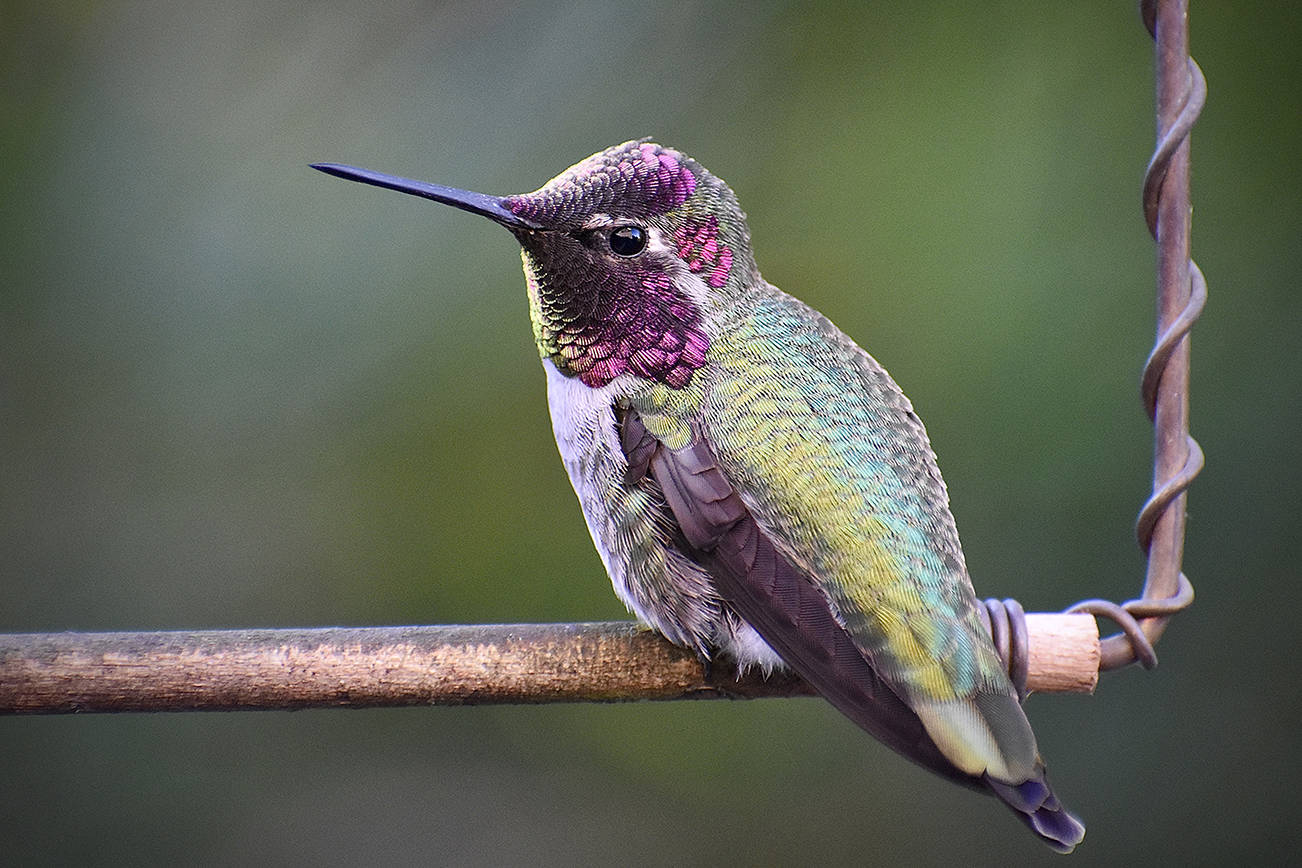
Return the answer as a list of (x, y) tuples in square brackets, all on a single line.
[(235, 392)]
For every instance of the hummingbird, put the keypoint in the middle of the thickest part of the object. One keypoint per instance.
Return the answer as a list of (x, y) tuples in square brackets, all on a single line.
[(757, 486)]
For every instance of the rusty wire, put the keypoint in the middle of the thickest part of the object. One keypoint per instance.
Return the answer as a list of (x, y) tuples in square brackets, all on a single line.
[(1181, 294), (1164, 386), (1006, 621)]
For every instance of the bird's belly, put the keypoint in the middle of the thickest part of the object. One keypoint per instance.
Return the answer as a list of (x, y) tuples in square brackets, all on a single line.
[(631, 528)]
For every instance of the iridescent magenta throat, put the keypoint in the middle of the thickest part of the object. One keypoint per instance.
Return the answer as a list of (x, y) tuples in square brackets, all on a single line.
[(598, 327)]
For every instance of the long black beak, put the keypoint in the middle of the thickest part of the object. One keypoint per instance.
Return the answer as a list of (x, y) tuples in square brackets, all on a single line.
[(491, 207)]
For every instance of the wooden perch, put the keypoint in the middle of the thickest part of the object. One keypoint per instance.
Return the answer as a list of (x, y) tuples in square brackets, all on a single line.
[(229, 670)]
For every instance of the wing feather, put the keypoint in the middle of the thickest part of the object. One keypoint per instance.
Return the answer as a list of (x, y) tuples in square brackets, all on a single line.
[(789, 611)]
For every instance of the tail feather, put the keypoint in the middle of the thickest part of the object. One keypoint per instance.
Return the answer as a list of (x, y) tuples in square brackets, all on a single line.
[(1035, 805)]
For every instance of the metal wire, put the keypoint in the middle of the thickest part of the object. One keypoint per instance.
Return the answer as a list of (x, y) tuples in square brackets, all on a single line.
[(1006, 621), (1181, 295)]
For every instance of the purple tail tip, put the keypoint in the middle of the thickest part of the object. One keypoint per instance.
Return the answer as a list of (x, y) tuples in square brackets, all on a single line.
[(1036, 806)]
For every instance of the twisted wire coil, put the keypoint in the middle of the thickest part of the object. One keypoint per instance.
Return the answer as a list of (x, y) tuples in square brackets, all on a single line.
[(1142, 620)]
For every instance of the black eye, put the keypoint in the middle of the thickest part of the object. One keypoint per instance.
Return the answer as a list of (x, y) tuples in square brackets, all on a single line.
[(627, 240)]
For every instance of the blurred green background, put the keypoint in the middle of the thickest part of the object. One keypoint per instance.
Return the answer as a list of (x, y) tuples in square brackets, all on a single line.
[(234, 392)]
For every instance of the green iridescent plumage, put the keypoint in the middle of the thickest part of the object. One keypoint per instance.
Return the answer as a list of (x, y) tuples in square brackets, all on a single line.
[(830, 458)]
